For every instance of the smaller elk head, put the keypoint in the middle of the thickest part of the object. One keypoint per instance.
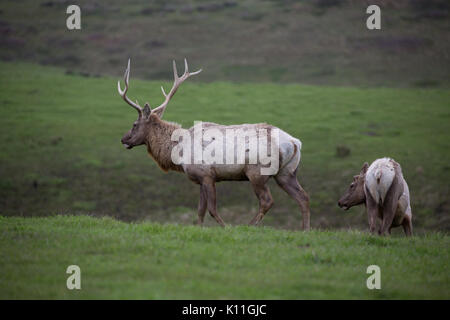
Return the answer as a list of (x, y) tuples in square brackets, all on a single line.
[(355, 193), (139, 132)]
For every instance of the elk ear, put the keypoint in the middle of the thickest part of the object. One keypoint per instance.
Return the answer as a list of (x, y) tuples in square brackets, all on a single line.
[(159, 112), (364, 168), (147, 110)]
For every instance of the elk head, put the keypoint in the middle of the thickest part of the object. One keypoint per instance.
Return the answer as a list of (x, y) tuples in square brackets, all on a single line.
[(355, 193), (138, 134)]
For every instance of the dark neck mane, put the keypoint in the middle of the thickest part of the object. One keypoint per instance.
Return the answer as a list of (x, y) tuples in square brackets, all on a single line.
[(159, 145)]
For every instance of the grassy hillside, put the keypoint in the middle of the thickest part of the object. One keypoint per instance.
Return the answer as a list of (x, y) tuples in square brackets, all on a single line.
[(308, 41), (61, 150), (153, 261)]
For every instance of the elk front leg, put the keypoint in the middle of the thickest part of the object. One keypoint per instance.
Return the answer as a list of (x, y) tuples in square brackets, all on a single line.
[(265, 198), (210, 191), (201, 205)]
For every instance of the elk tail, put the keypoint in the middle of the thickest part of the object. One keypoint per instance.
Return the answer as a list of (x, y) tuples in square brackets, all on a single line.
[(291, 165), (378, 176), (294, 153), (379, 180)]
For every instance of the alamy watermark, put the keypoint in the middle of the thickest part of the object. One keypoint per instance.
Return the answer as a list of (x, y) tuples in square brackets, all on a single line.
[(374, 280), (74, 280), (73, 22), (214, 145), (373, 22)]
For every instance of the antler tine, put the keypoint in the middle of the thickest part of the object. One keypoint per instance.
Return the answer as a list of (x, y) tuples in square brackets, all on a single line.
[(126, 79), (123, 93), (164, 93), (175, 72), (196, 72), (127, 72), (186, 69), (176, 83)]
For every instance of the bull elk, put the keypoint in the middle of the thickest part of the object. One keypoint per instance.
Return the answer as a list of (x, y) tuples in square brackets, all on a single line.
[(157, 134)]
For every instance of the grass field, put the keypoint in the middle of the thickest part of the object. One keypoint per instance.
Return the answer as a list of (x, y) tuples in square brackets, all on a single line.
[(154, 261), (61, 150)]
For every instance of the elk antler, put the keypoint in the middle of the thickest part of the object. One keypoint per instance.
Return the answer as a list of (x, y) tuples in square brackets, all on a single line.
[(176, 83), (123, 93)]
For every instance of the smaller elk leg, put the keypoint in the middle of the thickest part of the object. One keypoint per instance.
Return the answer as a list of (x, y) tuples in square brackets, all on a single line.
[(210, 189), (390, 206), (265, 198), (292, 187), (407, 226), (372, 212), (202, 205), (389, 209), (388, 217)]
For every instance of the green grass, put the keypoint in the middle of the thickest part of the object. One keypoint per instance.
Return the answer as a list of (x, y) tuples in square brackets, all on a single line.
[(153, 261), (61, 152)]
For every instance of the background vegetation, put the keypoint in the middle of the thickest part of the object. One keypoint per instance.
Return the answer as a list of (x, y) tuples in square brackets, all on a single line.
[(308, 41), (61, 150)]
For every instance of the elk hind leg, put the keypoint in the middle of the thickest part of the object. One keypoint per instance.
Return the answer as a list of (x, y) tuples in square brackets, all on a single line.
[(292, 187), (390, 206), (374, 211), (407, 226), (388, 215)]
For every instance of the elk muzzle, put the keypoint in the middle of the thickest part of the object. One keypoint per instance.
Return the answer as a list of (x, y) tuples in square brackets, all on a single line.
[(342, 205), (126, 143)]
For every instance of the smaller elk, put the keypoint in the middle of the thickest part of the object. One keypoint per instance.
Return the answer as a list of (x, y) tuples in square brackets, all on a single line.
[(385, 193)]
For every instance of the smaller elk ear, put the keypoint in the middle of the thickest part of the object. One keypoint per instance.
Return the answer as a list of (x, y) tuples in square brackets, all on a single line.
[(147, 110), (364, 168)]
